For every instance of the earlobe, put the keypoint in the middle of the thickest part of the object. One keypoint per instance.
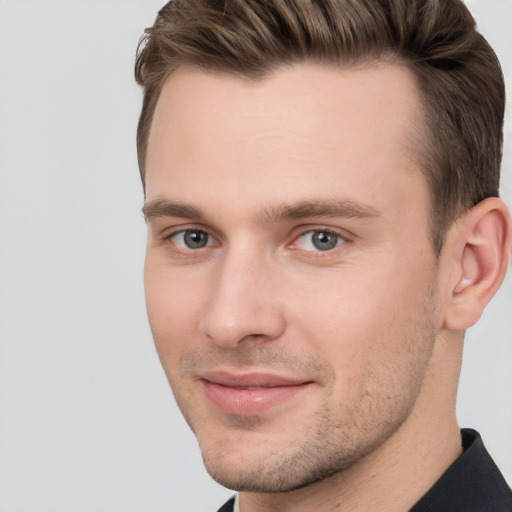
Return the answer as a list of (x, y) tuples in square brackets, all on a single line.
[(482, 242)]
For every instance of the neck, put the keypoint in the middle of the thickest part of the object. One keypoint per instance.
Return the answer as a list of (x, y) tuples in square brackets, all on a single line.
[(399, 472)]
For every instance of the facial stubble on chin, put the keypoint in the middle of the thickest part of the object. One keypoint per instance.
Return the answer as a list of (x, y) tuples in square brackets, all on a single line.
[(327, 449), (329, 446)]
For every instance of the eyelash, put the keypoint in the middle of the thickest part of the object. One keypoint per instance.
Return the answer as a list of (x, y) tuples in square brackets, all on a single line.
[(169, 238), (341, 239), (326, 232)]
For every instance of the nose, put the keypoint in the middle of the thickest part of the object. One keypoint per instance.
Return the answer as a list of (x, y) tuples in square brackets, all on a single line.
[(242, 305)]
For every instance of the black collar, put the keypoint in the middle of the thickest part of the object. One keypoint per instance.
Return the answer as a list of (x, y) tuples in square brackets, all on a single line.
[(473, 483)]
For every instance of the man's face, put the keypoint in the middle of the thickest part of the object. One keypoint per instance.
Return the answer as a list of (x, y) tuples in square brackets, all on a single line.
[(290, 277)]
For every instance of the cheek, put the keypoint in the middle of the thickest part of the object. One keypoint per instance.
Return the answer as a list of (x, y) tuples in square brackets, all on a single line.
[(362, 314), (173, 306)]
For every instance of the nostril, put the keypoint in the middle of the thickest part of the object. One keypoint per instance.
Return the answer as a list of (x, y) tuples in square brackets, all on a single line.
[(227, 331)]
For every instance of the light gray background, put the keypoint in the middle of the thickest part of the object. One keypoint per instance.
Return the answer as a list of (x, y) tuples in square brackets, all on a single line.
[(87, 422)]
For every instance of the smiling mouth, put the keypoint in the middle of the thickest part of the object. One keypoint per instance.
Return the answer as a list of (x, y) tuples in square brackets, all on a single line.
[(249, 394)]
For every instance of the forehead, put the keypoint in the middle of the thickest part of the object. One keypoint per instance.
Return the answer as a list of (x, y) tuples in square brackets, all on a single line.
[(307, 126)]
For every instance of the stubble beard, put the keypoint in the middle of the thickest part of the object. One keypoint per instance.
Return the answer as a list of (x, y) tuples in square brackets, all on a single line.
[(331, 449), (334, 442), (317, 459)]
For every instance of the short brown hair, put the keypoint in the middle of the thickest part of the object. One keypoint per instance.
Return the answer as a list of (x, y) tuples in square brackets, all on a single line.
[(457, 72)]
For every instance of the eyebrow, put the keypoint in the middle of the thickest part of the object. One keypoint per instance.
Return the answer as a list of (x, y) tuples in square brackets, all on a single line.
[(333, 208), (336, 208), (164, 208)]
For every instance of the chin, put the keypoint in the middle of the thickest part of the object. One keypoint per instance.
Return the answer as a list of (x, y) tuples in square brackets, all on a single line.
[(251, 466)]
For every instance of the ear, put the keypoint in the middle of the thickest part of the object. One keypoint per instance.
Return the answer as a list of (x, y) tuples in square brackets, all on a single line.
[(479, 252)]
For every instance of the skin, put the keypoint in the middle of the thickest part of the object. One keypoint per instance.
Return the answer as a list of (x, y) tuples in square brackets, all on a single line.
[(371, 328)]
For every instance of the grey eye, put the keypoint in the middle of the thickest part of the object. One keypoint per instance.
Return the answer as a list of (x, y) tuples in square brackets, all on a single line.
[(191, 239), (195, 239), (319, 241), (324, 241)]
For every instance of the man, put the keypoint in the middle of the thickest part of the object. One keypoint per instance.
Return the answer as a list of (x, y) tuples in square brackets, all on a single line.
[(321, 184)]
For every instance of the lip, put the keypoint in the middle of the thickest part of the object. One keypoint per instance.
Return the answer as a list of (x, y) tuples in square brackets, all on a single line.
[(249, 394)]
